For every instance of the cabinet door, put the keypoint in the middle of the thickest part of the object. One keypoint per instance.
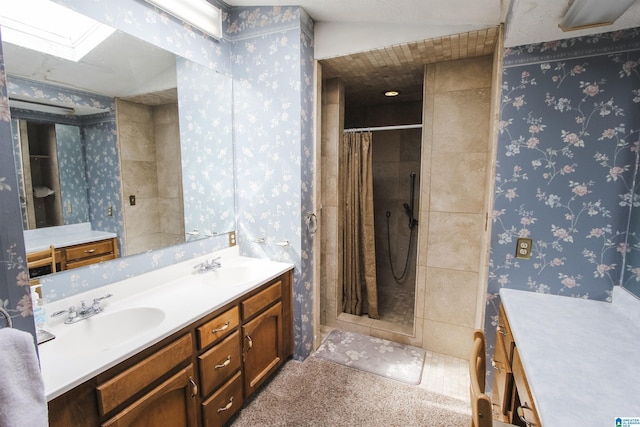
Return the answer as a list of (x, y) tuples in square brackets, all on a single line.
[(173, 403), (262, 347)]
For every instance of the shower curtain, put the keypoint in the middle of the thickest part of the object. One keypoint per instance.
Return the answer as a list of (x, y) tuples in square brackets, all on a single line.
[(359, 254)]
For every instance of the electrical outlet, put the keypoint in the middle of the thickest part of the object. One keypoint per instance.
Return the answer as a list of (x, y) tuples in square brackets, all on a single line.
[(523, 248), (69, 208), (132, 200), (109, 211), (232, 238)]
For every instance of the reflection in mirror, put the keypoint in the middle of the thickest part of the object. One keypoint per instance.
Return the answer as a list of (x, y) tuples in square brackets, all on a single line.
[(124, 95)]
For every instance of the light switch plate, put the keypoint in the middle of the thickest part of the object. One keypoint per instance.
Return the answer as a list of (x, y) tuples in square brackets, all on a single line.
[(523, 248)]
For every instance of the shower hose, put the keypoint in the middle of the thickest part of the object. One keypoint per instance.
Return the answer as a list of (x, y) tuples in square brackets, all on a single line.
[(398, 279)]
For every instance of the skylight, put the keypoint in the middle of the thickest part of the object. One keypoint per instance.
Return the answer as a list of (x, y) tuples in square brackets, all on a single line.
[(50, 28)]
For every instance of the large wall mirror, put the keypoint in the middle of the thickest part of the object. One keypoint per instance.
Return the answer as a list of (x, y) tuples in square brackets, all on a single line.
[(130, 139)]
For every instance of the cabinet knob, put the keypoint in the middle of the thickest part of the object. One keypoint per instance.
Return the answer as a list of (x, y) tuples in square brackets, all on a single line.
[(250, 342), (500, 330), (520, 412), (495, 365), (194, 387), (224, 364)]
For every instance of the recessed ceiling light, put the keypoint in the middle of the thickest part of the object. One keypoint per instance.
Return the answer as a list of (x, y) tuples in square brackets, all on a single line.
[(391, 93)]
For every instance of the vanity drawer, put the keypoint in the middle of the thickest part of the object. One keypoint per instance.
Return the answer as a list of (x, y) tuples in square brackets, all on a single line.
[(218, 327), (124, 385), (219, 363), (527, 407), (90, 253), (503, 334), (224, 403), (261, 300)]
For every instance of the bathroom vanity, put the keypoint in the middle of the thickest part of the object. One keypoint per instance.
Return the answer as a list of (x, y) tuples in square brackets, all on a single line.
[(75, 245), (172, 347), (563, 361)]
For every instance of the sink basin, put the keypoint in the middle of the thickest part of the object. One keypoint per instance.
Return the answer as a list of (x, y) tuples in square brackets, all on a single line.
[(232, 275), (111, 329)]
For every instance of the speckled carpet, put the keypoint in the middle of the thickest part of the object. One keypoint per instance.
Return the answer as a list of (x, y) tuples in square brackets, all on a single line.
[(318, 392), (375, 355)]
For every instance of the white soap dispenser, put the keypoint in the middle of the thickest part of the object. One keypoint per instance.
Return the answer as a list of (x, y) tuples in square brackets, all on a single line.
[(39, 312)]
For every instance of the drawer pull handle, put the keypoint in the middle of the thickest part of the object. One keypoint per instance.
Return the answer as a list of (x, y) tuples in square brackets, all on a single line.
[(194, 387), (250, 342), (500, 330), (520, 412), (224, 364), (89, 251), (495, 365), (229, 405), (221, 329)]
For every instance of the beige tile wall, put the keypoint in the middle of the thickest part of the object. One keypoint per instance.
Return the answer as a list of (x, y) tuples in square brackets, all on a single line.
[(451, 240), (149, 144)]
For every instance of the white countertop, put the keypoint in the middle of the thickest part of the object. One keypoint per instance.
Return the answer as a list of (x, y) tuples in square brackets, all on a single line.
[(182, 295), (581, 357), (62, 236)]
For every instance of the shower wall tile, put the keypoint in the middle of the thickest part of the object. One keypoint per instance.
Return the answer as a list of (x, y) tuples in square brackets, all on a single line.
[(330, 181), (144, 243), (464, 74), (442, 284), (142, 219), (446, 338), (458, 182), (461, 121), (421, 287), (171, 216), (330, 226), (454, 241), (139, 178)]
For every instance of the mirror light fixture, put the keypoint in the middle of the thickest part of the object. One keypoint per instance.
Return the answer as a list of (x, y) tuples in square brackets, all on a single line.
[(593, 13), (198, 13), (40, 106)]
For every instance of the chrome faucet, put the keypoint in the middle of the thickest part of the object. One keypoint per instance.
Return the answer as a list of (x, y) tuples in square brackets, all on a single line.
[(207, 266), (74, 315)]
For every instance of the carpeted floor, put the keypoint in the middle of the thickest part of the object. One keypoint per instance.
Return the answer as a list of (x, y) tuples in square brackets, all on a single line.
[(318, 392)]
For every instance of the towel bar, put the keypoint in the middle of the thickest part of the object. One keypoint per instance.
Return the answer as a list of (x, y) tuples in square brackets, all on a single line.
[(4, 313)]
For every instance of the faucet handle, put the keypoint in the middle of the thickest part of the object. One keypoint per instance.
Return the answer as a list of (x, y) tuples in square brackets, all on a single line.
[(72, 313), (96, 302)]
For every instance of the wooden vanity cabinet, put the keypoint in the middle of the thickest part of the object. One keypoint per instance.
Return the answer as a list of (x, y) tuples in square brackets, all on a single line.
[(90, 253), (199, 376), (510, 393), (262, 336)]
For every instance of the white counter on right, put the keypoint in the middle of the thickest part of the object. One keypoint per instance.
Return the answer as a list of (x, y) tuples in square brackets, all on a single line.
[(581, 357)]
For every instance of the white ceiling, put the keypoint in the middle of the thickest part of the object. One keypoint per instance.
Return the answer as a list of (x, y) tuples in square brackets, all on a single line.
[(348, 26)]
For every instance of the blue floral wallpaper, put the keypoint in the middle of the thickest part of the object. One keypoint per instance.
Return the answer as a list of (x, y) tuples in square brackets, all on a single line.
[(272, 58), (566, 167), (73, 179), (103, 175), (14, 278), (206, 141)]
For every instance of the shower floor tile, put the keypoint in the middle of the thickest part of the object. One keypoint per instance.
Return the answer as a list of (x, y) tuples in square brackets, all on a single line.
[(396, 303)]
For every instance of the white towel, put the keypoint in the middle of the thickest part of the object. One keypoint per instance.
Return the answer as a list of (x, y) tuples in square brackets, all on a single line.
[(41, 191), (22, 399)]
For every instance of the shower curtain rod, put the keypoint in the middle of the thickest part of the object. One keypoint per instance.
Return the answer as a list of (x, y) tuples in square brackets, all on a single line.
[(377, 128)]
